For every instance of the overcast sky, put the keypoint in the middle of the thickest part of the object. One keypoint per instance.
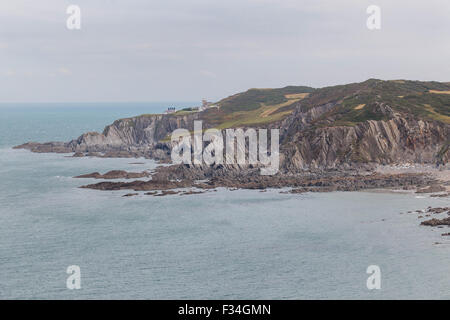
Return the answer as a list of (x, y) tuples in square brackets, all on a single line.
[(185, 50)]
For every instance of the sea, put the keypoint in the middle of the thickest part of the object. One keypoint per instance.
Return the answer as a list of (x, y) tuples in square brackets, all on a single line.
[(241, 244)]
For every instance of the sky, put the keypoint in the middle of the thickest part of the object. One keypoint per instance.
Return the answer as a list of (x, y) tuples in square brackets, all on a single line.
[(186, 50)]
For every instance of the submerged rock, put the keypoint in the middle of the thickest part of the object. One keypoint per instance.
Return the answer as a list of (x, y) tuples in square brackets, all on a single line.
[(440, 195), (130, 194), (166, 193), (191, 192)]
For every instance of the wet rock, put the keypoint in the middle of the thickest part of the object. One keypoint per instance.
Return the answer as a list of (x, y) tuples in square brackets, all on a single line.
[(185, 176), (443, 195), (436, 222), (48, 147), (166, 193), (432, 189), (115, 174), (93, 175), (93, 154), (438, 210), (191, 192)]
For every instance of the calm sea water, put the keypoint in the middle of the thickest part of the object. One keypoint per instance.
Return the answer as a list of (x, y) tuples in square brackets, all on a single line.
[(224, 244)]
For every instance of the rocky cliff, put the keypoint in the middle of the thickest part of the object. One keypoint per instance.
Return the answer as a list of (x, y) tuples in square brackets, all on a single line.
[(385, 142), (140, 136), (360, 124)]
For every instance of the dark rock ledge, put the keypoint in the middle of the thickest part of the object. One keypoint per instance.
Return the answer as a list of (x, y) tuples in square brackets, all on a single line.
[(177, 177), (116, 174)]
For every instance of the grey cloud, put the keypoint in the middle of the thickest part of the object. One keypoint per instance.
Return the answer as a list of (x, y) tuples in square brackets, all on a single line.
[(188, 49)]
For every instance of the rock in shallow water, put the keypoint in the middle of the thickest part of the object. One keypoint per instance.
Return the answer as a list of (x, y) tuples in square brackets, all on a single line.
[(437, 222), (115, 174)]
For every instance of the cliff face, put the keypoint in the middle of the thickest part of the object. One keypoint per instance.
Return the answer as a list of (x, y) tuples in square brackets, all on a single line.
[(374, 122), (141, 131), (398, 140), (139, 136)]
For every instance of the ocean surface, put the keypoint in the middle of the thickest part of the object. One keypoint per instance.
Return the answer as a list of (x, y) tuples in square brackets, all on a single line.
[(227, 244)]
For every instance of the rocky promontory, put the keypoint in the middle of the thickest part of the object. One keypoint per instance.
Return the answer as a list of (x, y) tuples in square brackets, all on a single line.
[(140, 136), (333, 137)]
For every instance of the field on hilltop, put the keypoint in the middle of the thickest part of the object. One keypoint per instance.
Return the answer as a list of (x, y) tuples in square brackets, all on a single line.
[(371, 122), (353, 103), (256, 107)]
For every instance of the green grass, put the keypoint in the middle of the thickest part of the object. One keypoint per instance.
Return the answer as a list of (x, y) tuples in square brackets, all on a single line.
[(255, 107), (253, 98), (407, 98), (259, 107)]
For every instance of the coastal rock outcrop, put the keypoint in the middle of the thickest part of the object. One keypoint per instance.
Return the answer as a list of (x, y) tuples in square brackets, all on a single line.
[(140, 136), (398, 140), (436, 222), (357, 125)]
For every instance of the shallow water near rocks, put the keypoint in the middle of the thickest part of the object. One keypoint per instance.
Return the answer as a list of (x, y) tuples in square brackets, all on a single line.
[(222, 245)]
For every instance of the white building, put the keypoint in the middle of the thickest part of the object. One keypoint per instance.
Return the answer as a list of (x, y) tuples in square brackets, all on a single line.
[(170, 110), (206, 105)]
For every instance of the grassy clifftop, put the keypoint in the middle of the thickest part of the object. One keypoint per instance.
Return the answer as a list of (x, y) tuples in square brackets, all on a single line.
[(252, 99), (351, 104), (354, 103), (422, 100), (256, 106)]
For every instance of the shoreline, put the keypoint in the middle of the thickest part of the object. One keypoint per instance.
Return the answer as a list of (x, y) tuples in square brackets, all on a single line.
[(176, 177), (442, 175), (405, 178)]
